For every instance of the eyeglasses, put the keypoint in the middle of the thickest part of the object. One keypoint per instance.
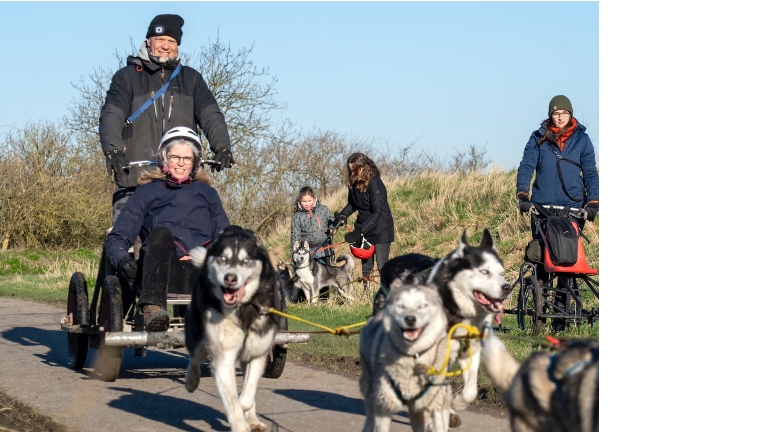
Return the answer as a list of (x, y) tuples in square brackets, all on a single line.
[(175, 159), (561, 114)]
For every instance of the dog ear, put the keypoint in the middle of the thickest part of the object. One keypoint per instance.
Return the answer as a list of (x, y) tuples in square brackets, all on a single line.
[(306, 245), (198, 256), (295, 245), (487, 241), (463, 243)]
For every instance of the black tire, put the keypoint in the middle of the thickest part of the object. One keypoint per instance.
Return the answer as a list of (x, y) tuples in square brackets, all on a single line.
[(110, 320), (276, 359), (77, 308), (529, 307)]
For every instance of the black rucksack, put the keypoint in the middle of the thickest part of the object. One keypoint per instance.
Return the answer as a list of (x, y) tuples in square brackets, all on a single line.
[(562, 240)]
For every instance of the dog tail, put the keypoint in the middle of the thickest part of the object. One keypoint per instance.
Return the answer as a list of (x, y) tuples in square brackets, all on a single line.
[(349, 262), (499, 363)]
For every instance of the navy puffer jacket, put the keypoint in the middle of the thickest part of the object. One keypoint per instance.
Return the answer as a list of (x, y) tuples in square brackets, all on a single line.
[(581, 184), (191, 210)]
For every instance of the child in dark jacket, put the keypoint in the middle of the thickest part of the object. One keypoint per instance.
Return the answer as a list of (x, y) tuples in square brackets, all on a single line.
[(311, 222)]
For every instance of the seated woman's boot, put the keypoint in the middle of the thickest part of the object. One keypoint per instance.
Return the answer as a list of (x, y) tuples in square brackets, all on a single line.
[(155, 318)]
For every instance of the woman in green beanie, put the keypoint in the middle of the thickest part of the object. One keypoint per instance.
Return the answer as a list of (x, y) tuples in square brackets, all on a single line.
[(563, 159)]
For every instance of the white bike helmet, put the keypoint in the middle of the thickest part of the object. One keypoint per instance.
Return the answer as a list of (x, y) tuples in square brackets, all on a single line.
[(181, 133)]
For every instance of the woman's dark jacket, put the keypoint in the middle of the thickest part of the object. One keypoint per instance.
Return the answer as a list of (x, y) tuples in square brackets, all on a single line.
[(581, 183), (374, 219), (186, 102), (192, 210)]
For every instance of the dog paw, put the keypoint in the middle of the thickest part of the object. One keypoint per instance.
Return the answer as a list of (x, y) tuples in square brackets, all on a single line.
[(192, 380), (257, 425), (455, 421)]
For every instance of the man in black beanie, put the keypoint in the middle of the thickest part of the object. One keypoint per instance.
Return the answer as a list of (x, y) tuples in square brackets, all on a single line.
[(170, 95)]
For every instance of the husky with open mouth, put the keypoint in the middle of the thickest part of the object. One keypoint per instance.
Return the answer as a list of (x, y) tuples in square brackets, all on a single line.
[(472, 285), (228, 320), (401, 349)]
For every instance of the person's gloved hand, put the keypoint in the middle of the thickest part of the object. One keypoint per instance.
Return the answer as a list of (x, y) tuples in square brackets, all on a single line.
[(224, 158), (115, 161), (339, 220), (591, 210), (523, 203), (127, 267), (352, 236)]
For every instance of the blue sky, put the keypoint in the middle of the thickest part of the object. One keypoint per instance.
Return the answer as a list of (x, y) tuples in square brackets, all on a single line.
[(441, 75)]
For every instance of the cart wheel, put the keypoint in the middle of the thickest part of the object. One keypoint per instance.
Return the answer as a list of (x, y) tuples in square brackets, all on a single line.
[(276, 359), (110, 320), (529, 305), (77, 310)]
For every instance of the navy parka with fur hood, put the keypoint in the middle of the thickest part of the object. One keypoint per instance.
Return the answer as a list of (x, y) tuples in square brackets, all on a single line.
[(581, 184), (192, 211)]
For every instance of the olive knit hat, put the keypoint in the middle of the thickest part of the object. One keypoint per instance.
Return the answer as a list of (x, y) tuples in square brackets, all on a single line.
[(166, 25), (560, 102)]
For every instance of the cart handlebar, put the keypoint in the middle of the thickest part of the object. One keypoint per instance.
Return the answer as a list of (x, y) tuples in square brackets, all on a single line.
[(576, 212), (142, 163)]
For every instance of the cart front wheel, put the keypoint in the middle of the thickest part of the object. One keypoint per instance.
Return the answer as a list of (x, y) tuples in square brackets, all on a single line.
[(276, 358), (110, 320), (529, 305), (77, 313)]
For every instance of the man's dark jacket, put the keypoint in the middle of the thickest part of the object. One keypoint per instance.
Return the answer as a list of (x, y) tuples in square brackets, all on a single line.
[(186, 102)]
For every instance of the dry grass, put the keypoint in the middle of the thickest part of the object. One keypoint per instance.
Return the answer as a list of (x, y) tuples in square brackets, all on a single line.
[(432, 210)]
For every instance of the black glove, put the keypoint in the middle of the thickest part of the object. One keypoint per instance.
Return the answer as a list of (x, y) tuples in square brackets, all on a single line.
[(523, 203), (115, 161), (352, 236), (127, 267), (591, 210), (224, 158), (339, 220)]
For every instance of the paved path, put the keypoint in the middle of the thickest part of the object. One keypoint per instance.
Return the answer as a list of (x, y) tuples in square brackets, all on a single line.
[(149, 394)]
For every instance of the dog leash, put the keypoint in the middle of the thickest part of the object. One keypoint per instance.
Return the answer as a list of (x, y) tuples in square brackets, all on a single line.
[(340, 331)]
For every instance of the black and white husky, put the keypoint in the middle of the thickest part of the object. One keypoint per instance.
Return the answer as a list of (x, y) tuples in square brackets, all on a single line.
[(228, 319), (472, 285), (313, 276)]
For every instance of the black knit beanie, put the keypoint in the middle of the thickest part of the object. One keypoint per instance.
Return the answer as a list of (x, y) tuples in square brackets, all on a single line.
[(166, 25), (560, 102)]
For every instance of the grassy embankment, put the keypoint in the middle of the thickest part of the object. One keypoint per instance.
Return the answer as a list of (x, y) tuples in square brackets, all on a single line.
[(430, 213)]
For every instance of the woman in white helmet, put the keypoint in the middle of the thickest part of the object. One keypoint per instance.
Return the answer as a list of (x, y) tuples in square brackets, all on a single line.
[(173, 211)]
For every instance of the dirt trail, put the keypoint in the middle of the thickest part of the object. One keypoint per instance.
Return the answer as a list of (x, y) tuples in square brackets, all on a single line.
[(149, 394)]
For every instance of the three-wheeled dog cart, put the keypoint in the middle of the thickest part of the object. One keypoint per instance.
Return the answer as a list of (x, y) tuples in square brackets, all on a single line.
[(556, 292), (108, 322)]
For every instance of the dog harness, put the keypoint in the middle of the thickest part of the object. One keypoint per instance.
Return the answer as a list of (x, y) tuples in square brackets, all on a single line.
[(576, 368), (425, 389)]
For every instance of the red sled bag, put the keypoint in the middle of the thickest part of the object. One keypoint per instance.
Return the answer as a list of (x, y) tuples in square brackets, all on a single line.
[(562, 240)]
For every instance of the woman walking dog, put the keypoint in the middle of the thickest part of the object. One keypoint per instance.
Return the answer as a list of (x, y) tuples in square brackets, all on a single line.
[(368, 196)]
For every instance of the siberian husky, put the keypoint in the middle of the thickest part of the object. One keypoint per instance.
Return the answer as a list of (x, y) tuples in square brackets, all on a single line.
[(547, 393), (228, 319), (472, 285), (401, 348), (313, 276)]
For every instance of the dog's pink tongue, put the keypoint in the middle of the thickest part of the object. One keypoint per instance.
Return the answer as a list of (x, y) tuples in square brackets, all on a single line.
[(498, 316), (233, 296)]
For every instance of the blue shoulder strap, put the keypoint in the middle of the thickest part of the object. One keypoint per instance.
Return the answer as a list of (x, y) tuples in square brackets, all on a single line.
[(151, 100)]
